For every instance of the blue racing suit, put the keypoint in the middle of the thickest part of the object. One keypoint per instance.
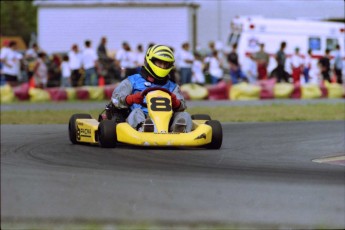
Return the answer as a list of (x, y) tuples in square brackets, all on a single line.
[(136, 83)]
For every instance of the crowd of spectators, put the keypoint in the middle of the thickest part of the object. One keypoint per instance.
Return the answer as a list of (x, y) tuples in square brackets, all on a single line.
[(91, 66)]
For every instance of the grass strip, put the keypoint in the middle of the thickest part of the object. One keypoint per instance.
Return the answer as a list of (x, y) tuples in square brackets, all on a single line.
[(265, 113)]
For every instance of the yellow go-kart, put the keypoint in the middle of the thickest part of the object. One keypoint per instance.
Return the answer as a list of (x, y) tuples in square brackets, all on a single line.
[(109, 131)]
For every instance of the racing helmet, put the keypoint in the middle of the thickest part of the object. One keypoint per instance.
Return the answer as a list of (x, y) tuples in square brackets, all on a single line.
[(162, 54)]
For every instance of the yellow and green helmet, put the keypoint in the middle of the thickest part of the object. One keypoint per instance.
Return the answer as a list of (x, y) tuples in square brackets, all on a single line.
[(162, 53)]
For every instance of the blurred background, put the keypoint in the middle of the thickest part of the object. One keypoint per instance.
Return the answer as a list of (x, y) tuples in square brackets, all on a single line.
[(197, 21), (115, 27)]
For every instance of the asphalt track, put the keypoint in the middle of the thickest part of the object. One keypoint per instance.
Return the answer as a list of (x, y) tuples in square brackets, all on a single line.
[(262, 176)]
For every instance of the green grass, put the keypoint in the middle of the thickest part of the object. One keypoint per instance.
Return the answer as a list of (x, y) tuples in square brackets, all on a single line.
[(267, 113)]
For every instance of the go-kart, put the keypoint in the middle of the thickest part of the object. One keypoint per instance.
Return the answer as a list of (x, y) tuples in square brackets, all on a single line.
[(111, 127)]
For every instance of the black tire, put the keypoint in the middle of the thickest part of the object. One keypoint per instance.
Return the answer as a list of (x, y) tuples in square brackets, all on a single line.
[(107, 134), (72, 126), (217, 135), (201, 117)]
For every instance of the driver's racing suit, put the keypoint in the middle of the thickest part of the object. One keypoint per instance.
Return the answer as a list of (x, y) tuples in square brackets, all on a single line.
[(138, 113)]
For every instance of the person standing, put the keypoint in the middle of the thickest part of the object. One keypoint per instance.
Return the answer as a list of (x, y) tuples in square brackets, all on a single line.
[(10, 61), (125, 60), (75, 62), (41, 71), (197, 69), (89, 61), (296, 66), (338, 64), (102, 50), (307, 66), (251, 70), (279, 72), (140, 56), (30, 57), (215, 68), (184, 61), (262, 59), (65, 72), (236, 73), (325, 66)]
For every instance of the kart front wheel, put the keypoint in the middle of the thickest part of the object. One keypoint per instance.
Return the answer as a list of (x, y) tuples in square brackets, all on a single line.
[(72, 126), (217, 134), (107, 134)]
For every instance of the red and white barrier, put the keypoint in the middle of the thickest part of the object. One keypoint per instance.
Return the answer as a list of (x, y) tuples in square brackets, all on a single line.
[(265, 89)]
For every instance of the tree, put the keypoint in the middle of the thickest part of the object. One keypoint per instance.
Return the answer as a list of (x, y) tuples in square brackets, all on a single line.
[(18, 18)]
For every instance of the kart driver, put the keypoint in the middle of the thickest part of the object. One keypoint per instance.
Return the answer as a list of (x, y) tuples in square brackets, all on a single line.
[(159, 61)]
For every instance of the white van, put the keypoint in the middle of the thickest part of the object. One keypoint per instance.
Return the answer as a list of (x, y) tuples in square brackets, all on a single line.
[(249, 31)]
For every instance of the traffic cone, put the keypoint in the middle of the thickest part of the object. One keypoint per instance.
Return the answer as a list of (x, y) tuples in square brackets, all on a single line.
[(101, 81), (32, 83)]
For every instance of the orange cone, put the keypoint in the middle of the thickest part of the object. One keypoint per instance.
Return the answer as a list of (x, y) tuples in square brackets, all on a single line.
[(101, 81), (32, 83)]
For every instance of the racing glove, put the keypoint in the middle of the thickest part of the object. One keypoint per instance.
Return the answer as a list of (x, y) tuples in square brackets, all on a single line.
[(136, 98), (174, 101)]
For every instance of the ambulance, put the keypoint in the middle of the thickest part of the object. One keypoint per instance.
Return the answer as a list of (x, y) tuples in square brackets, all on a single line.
[(249, 31)]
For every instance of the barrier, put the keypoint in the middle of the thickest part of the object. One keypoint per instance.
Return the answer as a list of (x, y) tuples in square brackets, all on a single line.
[(39, 95), (195, 91), (245, 91), (265, 89), (334, 90), (310, 91), (283, 90), (6, 94)]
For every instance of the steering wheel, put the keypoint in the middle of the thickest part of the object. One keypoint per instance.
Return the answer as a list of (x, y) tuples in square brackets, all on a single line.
[(147, 90)]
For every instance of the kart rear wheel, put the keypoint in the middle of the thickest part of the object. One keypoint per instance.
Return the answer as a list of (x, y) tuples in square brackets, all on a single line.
[(201, 117), (217, 135), (107, 134), (72, 126)]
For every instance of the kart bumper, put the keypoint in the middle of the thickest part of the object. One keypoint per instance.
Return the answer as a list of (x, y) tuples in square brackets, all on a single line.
[(202, 135)]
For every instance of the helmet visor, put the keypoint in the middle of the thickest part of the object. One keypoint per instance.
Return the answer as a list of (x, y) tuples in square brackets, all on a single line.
[(162, 64)]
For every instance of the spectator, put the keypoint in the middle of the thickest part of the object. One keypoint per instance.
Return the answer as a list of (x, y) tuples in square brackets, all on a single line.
[(325, 66), (307, 66), (3, 51), (236, 73), (65, 72), (19, 67), (102, 50), (197, 70), (338, 64), (279, 72), (10, 61), (140, 57), (211, 48), (54, 71), (184, 61), (89, 62), (251, 70), (30, 57), (41, 71), (125, 60), (33, 52), (215, 68), (296, 66), (75, 62), (262, 58)]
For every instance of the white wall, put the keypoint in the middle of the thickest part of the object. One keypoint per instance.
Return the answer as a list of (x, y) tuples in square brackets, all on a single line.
[(61, 27)]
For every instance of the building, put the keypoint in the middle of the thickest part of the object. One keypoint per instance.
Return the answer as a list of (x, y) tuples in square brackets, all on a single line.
[(63, 23)]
